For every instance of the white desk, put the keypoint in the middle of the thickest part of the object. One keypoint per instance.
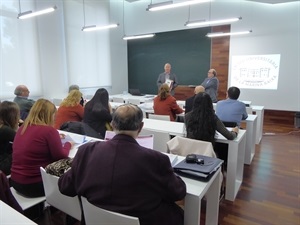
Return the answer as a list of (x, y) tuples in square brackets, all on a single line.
[(196, 190), (259, 111), (144, 98), (236, 152), (9, 215), (251, 127), (195, 193)]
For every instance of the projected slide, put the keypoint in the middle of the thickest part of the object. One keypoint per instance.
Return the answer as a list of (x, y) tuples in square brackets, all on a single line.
[(255, 71)]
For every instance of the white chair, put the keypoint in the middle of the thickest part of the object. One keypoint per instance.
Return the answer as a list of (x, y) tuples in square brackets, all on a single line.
[(57, 101), (249, 110), (25, 202), (134, 101), (160, 139), (159, 117), (94, 215), (116, 99), (66, 204)]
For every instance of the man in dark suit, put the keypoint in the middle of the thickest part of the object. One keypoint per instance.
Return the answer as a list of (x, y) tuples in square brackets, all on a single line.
[(167, 77), (121, 176), (25, 104), (189, 102)]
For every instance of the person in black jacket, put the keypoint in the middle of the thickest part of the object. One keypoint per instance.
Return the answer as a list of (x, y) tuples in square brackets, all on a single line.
[(190, 101)]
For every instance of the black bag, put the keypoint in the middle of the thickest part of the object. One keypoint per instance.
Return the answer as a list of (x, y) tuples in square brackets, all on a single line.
[(80, 128)]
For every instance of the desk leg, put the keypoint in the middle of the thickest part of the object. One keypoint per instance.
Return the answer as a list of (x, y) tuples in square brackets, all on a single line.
[(260, 125), (235, 168), (212, 201), (192, 210), (250, 141)]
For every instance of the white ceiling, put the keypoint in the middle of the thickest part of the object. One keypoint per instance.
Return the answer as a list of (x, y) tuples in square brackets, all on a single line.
[(273, 1)]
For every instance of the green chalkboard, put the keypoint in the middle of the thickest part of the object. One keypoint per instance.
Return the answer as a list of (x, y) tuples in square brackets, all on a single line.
[(188, 51)]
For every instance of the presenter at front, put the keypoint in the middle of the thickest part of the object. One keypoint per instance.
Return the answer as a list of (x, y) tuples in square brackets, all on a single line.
[(168, 77), (211, 85)]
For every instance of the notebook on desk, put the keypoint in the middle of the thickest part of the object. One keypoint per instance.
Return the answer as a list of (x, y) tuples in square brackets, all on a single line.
[(135, 92)]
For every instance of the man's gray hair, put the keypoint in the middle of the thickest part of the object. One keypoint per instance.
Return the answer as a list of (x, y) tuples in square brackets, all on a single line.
[(127, 117), (73, 87)]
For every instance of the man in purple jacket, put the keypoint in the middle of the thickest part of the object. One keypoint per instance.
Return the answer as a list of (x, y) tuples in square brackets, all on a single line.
[(121, 176)]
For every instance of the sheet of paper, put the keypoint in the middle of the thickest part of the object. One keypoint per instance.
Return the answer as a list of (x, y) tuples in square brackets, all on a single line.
[(76, 139)]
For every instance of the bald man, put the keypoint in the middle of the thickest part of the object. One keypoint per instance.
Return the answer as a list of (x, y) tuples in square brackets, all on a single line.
[(190, 101), (25, 104), (211, 85)]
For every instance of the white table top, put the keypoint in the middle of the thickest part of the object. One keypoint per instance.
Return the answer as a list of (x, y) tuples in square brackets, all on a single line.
[(9, 215)]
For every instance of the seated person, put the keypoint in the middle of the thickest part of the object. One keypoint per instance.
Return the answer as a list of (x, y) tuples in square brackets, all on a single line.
[(9, 124), (76, 87), (37, 143), (202, 122), (189, 102), (165, 104), (97, 112), (231, 109), (22, 100), (131, 179), (69, 109)]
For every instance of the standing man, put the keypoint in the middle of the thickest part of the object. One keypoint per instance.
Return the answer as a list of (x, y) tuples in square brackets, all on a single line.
[(168, 77), (231, 109), (22, 100), (121, 176), (211, 85)]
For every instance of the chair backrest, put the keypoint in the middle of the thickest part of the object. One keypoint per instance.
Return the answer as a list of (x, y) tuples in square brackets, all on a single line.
[(116, 99), (95, 215), (159, 117), (249, 110), (184, 146), (134, 101), (68, 205), (229, 124), (160, 139)]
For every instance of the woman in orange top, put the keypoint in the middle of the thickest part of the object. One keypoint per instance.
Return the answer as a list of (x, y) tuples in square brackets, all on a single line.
[(165, 103), (70, 109)]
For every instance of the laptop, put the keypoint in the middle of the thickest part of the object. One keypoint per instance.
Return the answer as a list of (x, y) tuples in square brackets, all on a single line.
[(135, 92)]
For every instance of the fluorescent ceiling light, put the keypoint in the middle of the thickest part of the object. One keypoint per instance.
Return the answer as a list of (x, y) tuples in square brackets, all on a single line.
[(220, 34), (138, 36), (29, 14), (170, 4), (212, 23), (94, 27)]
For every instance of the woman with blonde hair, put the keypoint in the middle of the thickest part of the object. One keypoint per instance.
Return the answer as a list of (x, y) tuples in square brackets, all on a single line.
[(70, 109), (36, 144), (9, 123), (165, 103)]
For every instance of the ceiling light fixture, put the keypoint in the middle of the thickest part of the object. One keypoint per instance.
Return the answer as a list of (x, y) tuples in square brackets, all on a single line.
[(170, 4), (138, 36), (94, 27), (211, 23), (28, 14), (220, 34)]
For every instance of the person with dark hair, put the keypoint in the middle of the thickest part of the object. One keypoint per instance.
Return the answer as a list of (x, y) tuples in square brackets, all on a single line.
[(202, 123), (211, 85), (37, 143), (231, 109), (190, 101), (97, 112), (165, 104), (9, 124), (121, 176), (167, 77), (25, 104)]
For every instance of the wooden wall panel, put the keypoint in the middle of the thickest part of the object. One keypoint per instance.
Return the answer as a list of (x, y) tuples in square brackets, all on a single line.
[(220, 58)]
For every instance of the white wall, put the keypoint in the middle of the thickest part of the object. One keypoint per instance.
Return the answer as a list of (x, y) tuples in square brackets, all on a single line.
[(275, 30)]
